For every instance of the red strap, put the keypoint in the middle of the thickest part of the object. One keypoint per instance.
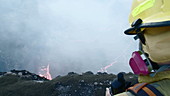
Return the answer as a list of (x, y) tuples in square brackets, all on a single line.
[(148, 91), (137, 87)]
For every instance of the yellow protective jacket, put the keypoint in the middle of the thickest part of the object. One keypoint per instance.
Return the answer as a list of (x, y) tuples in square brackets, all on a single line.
[(161, 81)]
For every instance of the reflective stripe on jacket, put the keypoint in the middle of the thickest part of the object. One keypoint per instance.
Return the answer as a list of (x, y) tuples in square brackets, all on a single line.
[(161, 81)]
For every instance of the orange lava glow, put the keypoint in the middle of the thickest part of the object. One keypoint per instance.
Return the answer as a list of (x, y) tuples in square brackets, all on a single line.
[(104, 69), (45, 72)]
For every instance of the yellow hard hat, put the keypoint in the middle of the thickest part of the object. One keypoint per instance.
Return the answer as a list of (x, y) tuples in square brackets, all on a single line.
[(150, 10), (153, 13)]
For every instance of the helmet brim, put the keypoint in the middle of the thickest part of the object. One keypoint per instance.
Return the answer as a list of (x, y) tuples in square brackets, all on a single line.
[(132, 30)]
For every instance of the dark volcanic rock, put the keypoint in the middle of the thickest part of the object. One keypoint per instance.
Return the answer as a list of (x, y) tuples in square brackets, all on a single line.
[(24, 83), (24, 74)]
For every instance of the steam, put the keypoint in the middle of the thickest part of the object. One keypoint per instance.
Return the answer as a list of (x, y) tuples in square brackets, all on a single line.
[(69, 35)]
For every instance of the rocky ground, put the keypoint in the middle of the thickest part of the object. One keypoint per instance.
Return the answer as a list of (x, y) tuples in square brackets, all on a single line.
[(24, 83)]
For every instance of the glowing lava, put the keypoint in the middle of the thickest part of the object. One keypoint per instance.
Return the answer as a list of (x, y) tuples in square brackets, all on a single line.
[(106, 67), (45, 72)]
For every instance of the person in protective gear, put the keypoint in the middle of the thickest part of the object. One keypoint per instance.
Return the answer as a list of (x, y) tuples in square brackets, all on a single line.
[(150, 23)]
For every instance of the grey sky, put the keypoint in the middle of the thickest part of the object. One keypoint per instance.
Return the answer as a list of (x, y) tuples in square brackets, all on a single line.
[(69, 35)]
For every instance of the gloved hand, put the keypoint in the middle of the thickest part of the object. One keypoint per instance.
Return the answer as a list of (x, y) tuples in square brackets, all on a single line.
[(107, 93), (119, 84)]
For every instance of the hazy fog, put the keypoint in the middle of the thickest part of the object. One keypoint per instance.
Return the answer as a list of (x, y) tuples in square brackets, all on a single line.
[(69, 35)]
